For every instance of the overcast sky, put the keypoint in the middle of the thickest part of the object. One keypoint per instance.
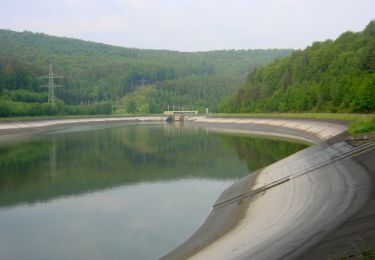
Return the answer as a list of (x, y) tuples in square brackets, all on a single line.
[(190, 25)]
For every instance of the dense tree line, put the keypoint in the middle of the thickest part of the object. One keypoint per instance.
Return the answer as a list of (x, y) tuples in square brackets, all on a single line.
[(21, 94), (203, 91), (95, 72), (330, 76)]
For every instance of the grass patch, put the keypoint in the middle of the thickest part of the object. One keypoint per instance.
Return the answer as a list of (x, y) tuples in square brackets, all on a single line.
[(360, 127), (368, 254)]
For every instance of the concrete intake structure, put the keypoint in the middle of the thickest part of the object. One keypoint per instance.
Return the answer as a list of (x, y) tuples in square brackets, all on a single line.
[(315, 204)]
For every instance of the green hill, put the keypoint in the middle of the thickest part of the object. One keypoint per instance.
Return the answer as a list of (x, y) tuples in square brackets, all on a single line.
[(330, 76), (127, 80)]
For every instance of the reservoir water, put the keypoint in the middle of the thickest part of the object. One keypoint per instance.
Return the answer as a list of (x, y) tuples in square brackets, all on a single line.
[(131, 191)]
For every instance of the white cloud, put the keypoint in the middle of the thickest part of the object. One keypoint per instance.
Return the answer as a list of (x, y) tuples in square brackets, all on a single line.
[(140, 5), (110, 23)]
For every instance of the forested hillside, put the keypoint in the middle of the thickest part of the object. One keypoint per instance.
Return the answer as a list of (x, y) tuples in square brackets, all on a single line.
[(99, 77), (330, 76)]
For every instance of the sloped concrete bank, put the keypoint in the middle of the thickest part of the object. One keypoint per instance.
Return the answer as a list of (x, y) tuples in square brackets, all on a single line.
[(316, 204), (17, 129)]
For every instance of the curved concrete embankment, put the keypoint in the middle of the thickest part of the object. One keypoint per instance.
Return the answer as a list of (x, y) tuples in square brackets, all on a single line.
[(18, 128), (36, 124), (291, 206)]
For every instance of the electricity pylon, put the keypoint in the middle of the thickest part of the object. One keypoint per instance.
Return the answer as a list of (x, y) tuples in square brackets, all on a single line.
[(51, 85)]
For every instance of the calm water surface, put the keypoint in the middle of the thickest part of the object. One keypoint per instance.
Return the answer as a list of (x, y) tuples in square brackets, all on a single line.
[(119, 191)]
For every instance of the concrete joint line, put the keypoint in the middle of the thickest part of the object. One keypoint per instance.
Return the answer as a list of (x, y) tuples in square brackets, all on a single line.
[(330, 160), (357, 151), (321, 131), (251, 192)]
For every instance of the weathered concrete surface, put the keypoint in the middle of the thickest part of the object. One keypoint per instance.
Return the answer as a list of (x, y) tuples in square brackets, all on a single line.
[(16, 129), (35, 124), (308, 130), (357, 234), (309, 205)]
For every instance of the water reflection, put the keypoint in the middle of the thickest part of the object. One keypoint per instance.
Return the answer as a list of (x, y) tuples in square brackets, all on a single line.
[(260, 152), (133, 188), (52, 159)]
